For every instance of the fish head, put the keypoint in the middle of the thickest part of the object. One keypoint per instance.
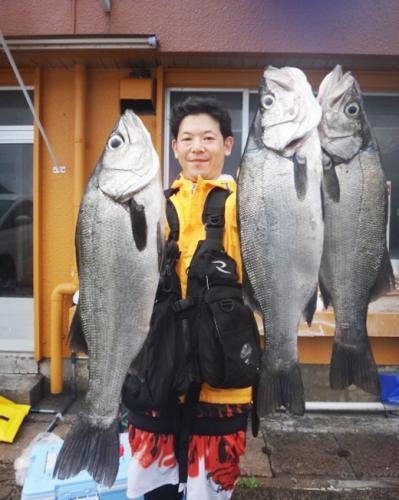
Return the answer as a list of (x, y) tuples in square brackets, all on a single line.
[(289, 112), (129, 161), (343, 129)]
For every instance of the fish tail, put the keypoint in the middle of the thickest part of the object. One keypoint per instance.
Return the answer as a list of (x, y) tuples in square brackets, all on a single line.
[(281, 389), (354, 365), (92, 448)]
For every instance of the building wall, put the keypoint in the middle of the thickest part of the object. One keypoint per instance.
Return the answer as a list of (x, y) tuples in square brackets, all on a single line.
[(367, 27), (54, 250)]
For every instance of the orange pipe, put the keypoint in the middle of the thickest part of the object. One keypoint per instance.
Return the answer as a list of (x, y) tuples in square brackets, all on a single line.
[(79, 144), (56, 369), (79, 136), (36, 218)]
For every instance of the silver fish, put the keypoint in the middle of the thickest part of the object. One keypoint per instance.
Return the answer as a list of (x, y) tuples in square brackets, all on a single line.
[(119, 239), (355, 265), (281, 227)]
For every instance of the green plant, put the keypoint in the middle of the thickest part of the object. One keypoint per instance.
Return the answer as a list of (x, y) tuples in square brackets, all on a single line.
[(248, 482)]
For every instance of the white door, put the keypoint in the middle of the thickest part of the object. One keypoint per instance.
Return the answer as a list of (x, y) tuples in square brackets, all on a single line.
[(16, 222)]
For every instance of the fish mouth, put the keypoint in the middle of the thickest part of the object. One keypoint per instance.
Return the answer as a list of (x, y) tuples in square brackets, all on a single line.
[(293, 144)]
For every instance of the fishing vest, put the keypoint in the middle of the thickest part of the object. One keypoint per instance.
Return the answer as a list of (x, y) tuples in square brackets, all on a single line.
[(208, 336), (211, 335)]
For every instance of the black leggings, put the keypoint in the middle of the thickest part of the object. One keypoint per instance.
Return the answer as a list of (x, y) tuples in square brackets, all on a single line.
[(167, 492)]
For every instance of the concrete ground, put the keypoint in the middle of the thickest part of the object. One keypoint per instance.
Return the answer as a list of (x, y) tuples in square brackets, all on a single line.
[(325, 457), (318, 456)]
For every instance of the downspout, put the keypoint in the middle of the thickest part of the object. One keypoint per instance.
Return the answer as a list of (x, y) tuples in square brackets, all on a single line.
[(36, 218), (56, 372), (68, 289)]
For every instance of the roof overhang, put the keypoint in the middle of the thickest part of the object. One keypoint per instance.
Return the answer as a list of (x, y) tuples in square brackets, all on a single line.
[(82, 42)]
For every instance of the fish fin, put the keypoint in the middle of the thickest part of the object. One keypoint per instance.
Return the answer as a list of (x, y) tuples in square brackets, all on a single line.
[(76, 338), (310, 308), (281, 389), (300, 176), (323, 209), (354, 365), (330, 184), (324, 294), (139, 224), (92, 448), (160, 247), (385, 281)]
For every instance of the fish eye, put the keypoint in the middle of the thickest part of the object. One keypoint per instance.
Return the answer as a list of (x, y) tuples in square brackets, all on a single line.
[(115, 142), (268, 101), (352, 109)]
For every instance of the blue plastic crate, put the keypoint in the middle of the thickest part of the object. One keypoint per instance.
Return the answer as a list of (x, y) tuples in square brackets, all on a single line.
[(40, 485), (390, 387)]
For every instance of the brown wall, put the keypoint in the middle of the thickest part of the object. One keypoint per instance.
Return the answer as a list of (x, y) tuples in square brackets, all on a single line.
[(368, 27)]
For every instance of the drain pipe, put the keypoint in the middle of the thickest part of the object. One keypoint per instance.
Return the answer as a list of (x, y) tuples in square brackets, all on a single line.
[(59, 417), (80, 81), (59, 414), (56, 371)]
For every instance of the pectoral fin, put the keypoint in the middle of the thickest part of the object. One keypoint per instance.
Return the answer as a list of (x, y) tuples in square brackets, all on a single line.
[(160, 246), (300, 176), (310, 308), (139, 224), (330, 179), (324, 294)]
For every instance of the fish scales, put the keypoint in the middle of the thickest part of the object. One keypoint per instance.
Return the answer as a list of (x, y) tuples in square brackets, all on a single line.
[(119, 242), (355, 265), (109, 298), (281, 234), (346, 238)]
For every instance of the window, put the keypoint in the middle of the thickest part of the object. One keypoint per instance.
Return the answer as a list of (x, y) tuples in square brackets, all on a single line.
[(14, 110), (16, 221), (383, 114)]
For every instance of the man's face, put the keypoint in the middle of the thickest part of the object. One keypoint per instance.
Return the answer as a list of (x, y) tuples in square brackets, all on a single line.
[(200, 148)]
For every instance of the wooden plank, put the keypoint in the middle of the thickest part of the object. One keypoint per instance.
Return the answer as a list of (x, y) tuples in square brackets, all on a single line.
[(379, 324), (317, 350)]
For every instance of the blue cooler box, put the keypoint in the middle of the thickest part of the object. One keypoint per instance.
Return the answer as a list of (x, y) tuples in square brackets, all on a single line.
[(390, 387), (40, 485)]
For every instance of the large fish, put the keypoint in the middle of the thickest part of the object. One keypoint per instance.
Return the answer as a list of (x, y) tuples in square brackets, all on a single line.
[(355, 266), (281, 227), (119, 239)]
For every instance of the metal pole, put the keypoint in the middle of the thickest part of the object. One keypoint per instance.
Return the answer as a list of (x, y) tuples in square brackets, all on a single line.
[(349, 406)]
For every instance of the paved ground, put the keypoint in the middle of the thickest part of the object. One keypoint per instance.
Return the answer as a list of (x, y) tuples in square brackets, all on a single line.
[(316, 456), (327, 457)]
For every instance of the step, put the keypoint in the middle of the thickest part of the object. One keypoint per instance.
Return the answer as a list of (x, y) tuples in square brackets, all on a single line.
[(254, 488), (22, 388), (18, 362)]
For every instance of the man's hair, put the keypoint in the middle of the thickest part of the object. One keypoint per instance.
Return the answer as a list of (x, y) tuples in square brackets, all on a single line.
[(197, 106)]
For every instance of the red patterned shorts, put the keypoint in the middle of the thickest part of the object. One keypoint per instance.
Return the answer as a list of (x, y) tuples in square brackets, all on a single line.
[(213, 461)]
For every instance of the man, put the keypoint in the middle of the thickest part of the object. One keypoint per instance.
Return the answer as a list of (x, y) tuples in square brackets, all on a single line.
[(202, 138)]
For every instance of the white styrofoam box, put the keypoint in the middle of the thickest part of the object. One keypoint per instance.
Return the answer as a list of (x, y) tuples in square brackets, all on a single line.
[(40, 485)]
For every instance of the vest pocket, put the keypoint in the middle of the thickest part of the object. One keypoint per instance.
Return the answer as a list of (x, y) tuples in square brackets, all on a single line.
[(228, 343)]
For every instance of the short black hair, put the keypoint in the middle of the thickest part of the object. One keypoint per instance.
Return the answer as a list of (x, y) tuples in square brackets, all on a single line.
[(197, 106)]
